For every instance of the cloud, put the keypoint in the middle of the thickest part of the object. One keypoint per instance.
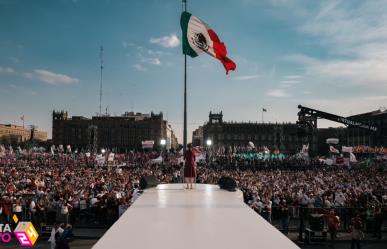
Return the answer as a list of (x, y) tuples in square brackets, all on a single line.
[(157, 52), (358, 71), (6, 70), (170, 41), (21, 90), (376, 98), (246, 77), (355, 36), (51, 77), (139, 67), (278, 93), (152, 61), (149, 57), (127, 44), (293, 77), (346, 106), (289, 82), (279, 2)]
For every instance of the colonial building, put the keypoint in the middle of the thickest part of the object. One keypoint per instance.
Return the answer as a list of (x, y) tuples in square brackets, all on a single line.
[(121, 133), (282, 136), (197, 137), (15, 134), (289, 137)]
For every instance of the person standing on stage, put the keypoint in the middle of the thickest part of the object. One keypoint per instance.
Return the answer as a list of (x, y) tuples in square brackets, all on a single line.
[(189, 167)]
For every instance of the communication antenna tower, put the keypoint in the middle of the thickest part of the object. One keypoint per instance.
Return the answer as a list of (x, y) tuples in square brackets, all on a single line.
[(100, 85)]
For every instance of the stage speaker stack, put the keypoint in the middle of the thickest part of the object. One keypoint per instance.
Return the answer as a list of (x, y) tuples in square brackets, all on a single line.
[(148, 182), (227, 183)]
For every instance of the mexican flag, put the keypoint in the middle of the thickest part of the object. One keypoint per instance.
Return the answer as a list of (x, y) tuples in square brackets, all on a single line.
[(198, 37)]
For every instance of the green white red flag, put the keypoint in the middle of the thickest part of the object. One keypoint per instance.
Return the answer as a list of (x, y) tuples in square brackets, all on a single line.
[(198, 37)]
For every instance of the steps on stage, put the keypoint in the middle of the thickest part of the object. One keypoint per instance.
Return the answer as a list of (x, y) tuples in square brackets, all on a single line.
[(206, 217)]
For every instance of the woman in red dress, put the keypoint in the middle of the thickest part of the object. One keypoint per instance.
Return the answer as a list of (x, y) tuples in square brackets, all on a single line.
[(189, 167)]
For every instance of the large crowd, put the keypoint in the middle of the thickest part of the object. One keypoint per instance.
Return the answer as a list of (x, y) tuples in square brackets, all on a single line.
[(75, 189)]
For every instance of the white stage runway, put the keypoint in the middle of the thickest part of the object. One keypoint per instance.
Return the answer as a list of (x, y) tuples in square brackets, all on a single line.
[(206, 217)]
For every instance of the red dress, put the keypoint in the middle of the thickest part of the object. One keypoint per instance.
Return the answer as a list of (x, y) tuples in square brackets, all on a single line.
[(189, 169)]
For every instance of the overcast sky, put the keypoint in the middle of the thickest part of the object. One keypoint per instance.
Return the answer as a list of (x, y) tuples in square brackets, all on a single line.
[(330, 55)]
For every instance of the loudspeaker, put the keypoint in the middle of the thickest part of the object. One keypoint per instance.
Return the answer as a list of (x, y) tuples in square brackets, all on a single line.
[(148, 182), (227, 183)]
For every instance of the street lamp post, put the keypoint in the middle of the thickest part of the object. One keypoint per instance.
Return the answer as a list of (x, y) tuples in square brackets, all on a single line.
[(209, 143), (163, 143)]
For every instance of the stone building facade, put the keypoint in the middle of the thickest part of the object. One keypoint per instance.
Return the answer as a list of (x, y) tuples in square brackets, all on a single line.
[(282, 136), (15, 134), (120, 133)]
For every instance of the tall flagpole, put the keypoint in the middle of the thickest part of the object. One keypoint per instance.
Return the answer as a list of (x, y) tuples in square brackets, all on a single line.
[(184, 5), (100, 83)]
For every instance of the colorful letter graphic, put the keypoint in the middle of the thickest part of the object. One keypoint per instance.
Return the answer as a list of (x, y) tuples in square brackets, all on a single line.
[(26, 234)]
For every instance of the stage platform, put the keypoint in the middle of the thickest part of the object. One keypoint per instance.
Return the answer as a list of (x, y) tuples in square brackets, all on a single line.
[(206, 217)]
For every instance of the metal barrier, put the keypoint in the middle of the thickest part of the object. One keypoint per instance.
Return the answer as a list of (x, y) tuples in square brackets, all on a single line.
[(297, 219)]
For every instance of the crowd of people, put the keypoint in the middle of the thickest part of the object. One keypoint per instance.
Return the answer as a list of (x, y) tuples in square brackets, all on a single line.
[(74, 189)]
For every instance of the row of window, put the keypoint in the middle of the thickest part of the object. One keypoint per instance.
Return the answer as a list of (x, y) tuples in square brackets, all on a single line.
[(251, 137)]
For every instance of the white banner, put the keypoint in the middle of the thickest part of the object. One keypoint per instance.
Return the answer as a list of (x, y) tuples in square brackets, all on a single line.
[(111, 157), (332, 141), (148, 144), (100, 159), (346, 149)]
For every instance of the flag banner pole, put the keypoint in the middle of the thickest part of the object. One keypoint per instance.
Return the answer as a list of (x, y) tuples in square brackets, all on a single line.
[(184, 2), (262, 117), (197, 38)]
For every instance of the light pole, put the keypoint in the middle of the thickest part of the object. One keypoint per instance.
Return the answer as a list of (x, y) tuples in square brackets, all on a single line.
[(209, 143), (163, 142)]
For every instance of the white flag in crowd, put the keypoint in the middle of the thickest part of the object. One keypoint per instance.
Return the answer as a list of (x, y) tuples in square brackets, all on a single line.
[(305, 149), (100, 159), (2, 150), (333, 150), (111, 157), (352, 158)]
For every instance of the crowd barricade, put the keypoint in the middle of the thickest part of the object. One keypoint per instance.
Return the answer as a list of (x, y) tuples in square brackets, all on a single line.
[(104, 217), (301, 216)]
